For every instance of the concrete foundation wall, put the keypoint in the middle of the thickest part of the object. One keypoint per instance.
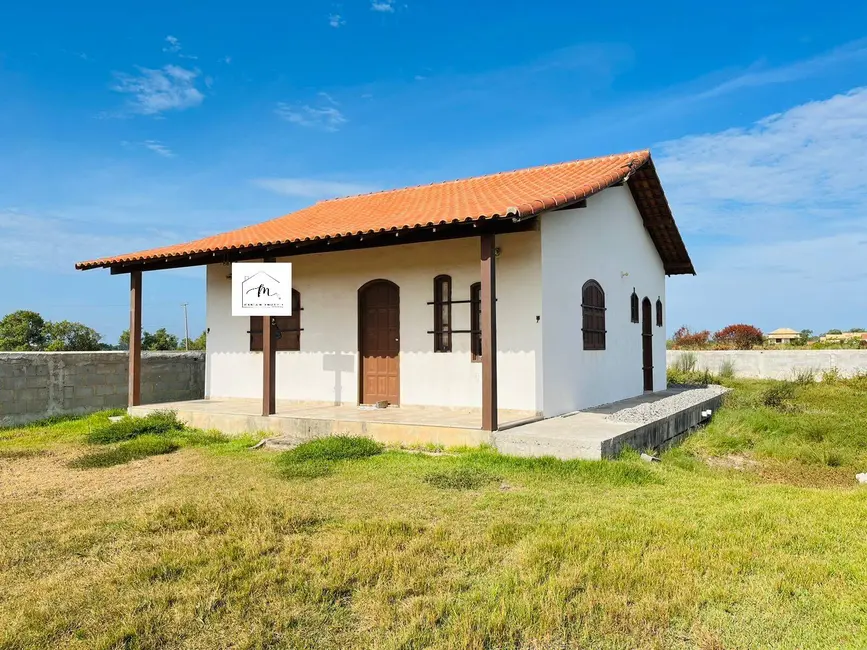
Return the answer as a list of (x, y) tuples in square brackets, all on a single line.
[(36, 385), (777, 364)]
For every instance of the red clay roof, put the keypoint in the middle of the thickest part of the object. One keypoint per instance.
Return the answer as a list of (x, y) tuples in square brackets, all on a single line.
[(523, 193)]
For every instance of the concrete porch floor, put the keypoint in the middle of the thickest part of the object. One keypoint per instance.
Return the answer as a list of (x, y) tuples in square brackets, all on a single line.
[(296, 422), (585, 434)]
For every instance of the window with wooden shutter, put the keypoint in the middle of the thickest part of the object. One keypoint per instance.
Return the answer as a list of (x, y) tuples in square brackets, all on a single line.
[(442, 313), (593, 312), (659, 312), (633, 304), (288, 334), (476, 321)]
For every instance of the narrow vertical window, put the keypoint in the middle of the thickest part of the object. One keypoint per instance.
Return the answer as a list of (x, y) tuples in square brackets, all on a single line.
[(633, 304), (288, 334), (659, 312), (442, 313), (593, 313), (476, 321)]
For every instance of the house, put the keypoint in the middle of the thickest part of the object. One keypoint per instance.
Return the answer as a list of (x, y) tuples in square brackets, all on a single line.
[(539, 291), (782, 336), (843, 337)]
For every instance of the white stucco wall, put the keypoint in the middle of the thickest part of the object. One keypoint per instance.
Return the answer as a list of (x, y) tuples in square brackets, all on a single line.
[(325, 370), (607, 242)]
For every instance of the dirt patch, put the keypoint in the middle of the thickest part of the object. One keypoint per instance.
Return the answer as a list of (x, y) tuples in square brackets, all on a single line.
[(733, 461), (47, 477), (791, 473), (802, 475)]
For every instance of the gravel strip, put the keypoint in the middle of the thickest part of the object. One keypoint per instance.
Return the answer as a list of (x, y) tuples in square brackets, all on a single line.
[(661, 408)]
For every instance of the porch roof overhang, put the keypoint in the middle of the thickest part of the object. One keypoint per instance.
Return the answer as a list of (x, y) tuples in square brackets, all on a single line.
[(498, 203)]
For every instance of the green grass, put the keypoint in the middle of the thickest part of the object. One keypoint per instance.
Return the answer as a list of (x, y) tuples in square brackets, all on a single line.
[(127, 428), (332, 449), (807, 424), (210, 546), (319, 457), (460, 478), (136, 449)]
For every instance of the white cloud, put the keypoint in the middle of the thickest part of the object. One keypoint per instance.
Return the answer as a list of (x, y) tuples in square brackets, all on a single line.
[(155, 91), (775, 216), (174, 45), (310, 188), (385, 6), (158, 148), (759, 76), (796, 169), (325, 116), (336, 20), (32, 241), (226, 59)]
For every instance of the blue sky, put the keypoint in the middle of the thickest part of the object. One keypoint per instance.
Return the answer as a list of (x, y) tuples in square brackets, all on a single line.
[(125, 128)]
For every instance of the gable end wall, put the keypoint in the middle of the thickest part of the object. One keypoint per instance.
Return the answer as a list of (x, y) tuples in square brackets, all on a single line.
[(606, 242)]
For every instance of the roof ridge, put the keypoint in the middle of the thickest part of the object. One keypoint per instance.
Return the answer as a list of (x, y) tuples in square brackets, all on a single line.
[(480, 176)]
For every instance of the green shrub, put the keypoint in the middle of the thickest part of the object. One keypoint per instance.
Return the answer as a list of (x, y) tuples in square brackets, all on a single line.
[(157, 423), (460, 478), (727, 369), (334, 448), (804, 376), (317, 458), (831, 376), (686, 363), (140, 447), (779, 395)]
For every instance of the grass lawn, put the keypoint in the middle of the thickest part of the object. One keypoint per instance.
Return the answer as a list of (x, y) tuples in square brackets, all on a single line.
[(750, 535)]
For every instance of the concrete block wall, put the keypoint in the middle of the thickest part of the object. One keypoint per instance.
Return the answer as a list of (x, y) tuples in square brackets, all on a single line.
[(777, 364), (36, 385)]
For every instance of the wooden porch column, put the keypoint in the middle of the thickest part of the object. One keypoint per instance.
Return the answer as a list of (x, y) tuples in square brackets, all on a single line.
[(269, 364), (489, 333), (134, 338)]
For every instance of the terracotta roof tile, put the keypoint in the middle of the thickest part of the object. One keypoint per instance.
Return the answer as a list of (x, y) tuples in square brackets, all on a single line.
[(524, 192)]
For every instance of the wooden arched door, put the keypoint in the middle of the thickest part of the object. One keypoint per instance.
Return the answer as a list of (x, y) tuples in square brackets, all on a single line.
[(647, 343), (379, 342)]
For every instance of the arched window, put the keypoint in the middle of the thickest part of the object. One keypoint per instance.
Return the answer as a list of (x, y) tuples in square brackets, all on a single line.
[(476, 321), (659, 312), (633, 304), (442, 313), (288, 334), (593, 311)]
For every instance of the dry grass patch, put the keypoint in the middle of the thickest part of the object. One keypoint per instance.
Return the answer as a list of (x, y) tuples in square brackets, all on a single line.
[(210, 547)]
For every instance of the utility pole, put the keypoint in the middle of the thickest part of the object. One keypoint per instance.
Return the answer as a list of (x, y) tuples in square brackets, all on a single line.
[(186, 328)]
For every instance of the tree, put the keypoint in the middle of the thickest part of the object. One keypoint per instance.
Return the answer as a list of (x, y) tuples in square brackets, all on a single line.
[(739, 337), (684, 339), (803, 337), (22, 331), (856, 330), (65, 336), (123, 341), (833, 332), (195, 344), (159, 340)]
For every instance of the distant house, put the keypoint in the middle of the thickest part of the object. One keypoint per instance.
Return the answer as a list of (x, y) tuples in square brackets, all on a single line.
[(782, 336), (844, 336), (539, 290)]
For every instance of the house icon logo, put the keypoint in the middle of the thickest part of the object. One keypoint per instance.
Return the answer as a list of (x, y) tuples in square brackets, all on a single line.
[(261, 289)]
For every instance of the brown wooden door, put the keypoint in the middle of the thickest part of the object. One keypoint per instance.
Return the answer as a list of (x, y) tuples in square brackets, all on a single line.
[(379, 338), (647, 344)]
